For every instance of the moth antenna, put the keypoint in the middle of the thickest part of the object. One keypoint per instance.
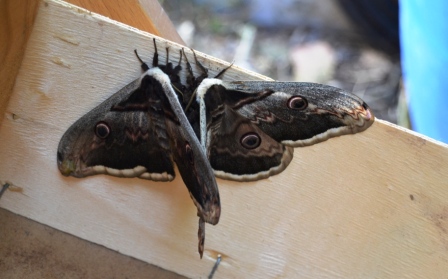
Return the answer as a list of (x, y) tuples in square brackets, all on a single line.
[(215, 267), (167, 55), (189, 69), (155, 59), (144, 66), (203, 69), (178, 67), (193, 96), (180, 57), (224, 70)]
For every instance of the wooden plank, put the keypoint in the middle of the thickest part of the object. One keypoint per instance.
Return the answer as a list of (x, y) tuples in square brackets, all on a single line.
[(368, 205), (16, 22), (146, 15)]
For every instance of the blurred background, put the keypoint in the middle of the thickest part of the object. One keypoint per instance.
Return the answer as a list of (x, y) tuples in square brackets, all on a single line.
[(354, 45)]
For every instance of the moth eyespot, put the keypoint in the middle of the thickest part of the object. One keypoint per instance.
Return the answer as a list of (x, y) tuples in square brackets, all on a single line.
[(297, 103), (102, 130), (189, 153), (250, 141)]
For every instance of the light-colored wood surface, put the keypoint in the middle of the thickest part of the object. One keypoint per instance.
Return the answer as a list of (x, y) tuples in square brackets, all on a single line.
[(373, 204)]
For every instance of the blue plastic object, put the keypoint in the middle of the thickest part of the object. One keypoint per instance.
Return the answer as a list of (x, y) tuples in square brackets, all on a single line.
[(424, 54)]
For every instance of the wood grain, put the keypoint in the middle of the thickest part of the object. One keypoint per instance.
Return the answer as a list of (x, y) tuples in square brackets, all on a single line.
[(374, 204)]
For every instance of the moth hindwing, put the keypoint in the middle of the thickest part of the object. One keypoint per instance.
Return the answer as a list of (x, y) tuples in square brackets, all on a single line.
[(138, 132)]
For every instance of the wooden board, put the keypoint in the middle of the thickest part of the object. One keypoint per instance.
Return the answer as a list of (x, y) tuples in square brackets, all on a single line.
[(373, 204), (145, 15), (16, 21)]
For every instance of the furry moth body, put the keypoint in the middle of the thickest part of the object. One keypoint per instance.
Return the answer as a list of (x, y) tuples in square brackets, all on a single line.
[(247, 129)]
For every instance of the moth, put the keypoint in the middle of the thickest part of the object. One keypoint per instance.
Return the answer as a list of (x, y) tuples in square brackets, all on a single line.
[(236, 130), (139, 132)]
